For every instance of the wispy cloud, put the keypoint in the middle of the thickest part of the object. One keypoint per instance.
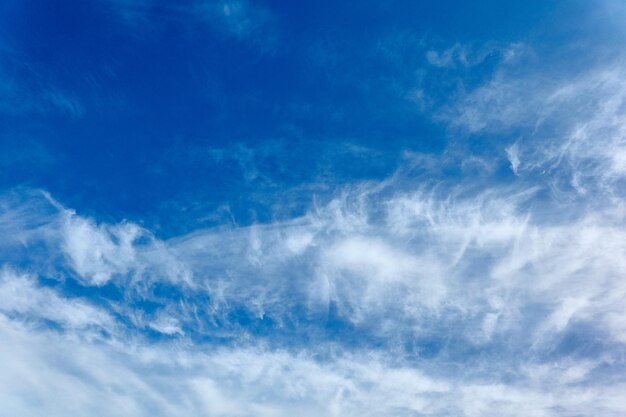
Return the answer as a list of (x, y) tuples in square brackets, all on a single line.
[(238, 19), (467, 56), (374, 250), (421, 271), (21, 295), (449, 287), (24, 91), (569, 126), (168, 380)]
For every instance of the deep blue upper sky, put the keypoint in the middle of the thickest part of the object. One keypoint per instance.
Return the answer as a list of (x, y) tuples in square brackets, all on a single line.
[(160, 112)]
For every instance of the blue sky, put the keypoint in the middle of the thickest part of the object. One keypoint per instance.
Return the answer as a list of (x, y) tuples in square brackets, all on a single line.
[(242, 208)]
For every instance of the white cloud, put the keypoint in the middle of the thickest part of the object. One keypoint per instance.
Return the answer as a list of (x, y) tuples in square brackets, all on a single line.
[(449, 265), (512, 152), (572, 125), (97, 253), (43, 369), (20, 294), (470, 260), (467, 56)]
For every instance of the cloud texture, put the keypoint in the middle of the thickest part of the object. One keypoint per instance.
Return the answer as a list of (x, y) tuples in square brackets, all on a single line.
[(487, 279)]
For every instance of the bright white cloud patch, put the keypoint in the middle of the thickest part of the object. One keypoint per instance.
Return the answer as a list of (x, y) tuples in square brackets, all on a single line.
[(97, 253), (20, 296)]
